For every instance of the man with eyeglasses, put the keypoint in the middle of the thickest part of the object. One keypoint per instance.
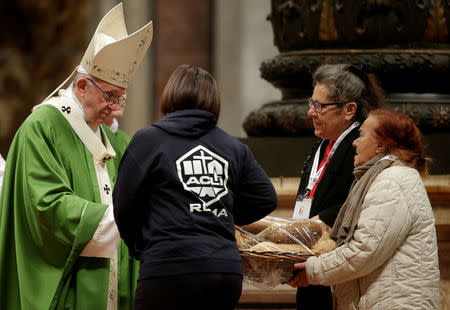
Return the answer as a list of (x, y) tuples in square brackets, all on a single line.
[(121, 139), (59, 244), (342, 97)]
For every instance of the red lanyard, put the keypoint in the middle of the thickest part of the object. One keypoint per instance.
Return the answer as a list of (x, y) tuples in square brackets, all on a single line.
[(324, 162)]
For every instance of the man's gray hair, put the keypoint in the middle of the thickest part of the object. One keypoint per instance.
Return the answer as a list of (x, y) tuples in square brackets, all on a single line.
[(78, 76), (344, 86)]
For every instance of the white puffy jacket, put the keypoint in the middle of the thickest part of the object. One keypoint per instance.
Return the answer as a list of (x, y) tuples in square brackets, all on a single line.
[(392, 261)]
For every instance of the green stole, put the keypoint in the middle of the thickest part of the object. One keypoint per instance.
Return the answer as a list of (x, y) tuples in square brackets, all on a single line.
[(101, 153)]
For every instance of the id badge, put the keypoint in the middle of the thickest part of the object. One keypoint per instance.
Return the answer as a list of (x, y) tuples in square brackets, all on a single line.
[(302, 208)]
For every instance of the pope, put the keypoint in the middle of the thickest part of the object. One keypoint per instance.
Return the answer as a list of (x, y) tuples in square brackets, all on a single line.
[(59, 244)]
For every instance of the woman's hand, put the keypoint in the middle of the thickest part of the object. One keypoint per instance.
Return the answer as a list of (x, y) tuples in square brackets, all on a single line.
[(300, 278)]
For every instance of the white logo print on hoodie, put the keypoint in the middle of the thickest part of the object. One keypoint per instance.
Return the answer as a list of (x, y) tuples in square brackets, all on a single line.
[(205, 174)]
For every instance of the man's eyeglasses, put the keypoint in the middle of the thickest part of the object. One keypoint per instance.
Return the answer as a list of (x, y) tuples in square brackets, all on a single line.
[(319, 105), (110, 98)]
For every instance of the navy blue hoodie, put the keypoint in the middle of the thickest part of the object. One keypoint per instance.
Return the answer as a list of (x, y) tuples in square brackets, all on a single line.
[(183, 184)]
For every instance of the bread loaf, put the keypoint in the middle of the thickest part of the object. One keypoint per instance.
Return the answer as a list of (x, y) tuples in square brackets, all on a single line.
[(262, 224), (323, 246), (256, 227), (279, 247), (244, 240), (302, 231), (266, 246)]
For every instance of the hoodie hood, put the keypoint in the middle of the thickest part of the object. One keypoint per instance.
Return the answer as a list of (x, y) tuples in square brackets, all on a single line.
[(187, 123)]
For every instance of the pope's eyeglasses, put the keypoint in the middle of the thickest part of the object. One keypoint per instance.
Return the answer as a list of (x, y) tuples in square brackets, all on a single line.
[(121, 100)]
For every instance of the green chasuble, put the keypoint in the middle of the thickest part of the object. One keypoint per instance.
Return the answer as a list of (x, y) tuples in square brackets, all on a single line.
[(49, 210), (119, 140)]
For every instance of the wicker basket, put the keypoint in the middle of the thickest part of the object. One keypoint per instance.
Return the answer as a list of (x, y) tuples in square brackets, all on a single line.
[(268, 269)]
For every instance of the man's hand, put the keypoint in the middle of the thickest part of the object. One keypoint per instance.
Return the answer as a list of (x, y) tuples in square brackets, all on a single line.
[(300, 278)]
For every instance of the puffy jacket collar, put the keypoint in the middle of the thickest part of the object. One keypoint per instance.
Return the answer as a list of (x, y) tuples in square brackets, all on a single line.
[(187, 123)]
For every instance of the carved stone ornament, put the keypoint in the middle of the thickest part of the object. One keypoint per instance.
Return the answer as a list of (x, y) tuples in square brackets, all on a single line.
[(300, 24), (398, 69), (405, 43)]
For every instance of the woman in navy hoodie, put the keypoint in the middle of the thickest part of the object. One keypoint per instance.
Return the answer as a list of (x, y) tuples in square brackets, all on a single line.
[(183, 184)]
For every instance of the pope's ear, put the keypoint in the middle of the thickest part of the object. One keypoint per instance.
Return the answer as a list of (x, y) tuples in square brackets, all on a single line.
[(350, 110), (81, 84)]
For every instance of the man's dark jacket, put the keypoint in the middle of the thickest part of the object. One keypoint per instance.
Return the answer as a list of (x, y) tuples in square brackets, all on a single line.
[(333, 188), (330, 194)]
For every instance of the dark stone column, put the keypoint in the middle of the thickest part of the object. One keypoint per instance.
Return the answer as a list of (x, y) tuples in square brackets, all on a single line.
[(40, 44), (182, 35)]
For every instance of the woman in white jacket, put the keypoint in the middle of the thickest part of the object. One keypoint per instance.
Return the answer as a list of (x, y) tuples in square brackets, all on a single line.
[(386, 255)]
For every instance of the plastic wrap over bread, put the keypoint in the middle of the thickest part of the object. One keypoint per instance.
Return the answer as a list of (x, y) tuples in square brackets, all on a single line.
[(270, 247)]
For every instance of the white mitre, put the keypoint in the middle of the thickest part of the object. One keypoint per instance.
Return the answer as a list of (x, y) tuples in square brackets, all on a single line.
[(113, 55)]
